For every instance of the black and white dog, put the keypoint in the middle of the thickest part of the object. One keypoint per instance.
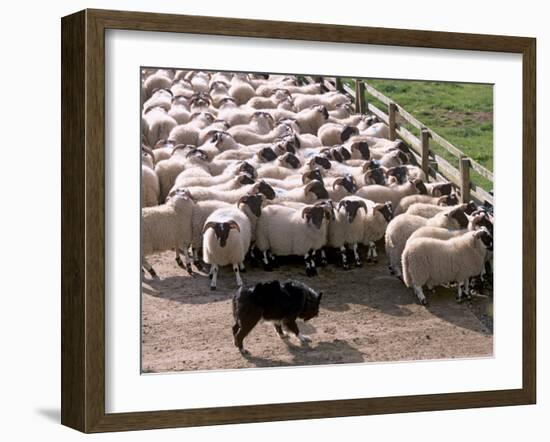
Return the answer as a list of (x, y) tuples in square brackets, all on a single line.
[(280, 303)]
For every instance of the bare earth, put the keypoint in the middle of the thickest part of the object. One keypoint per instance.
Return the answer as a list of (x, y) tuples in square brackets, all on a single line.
[(366, 315)]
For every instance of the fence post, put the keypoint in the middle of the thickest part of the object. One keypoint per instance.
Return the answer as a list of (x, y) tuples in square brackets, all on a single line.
[(359, 97), (465, 178), (426, 151), (392, 109), (338, 84)]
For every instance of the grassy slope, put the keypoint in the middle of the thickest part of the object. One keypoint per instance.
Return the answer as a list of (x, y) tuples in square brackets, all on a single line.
[(459, 112)]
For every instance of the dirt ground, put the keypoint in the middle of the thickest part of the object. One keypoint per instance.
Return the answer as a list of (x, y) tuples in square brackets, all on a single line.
[(366, 315)]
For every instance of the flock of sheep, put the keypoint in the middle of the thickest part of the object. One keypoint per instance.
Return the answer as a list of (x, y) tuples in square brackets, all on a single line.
[(245, 166)]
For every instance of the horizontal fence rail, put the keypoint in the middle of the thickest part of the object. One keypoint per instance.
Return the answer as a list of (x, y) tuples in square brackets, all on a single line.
[(433, 165)]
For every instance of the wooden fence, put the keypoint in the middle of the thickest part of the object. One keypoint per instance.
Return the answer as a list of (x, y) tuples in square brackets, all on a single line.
[(434, 165)]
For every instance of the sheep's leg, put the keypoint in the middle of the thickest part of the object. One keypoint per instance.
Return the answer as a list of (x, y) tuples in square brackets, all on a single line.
[(271, 258), (186, 258), (323, 259), (459, 293), (149, 268), (237, 275), (358, 262), (343, 254), (420, 295), (267, 264), (196, 260), (373, 252), (242, 268), (467, 289), (214, 273), (310, 264)]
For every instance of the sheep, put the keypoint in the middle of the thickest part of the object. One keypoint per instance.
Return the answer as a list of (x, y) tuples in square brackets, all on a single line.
[(308, 193), (219, 90), (347, 228), (429, 210), (296, 180), (439, 188), (232, 196), (240, 89), (281, 172), (329, 100), (377, 218), (158, 80), (261, 123), (189, 133), (199, 80), (150, 187), (268, 89), (201, 102), (341, 187), (231, 172), (405, 203), (311, 119), (378, 130), (166, 227), (269, 103), (431, 262), (251, 205), (182, 88), (226, 240), (159, 125), (286, 231), (335, 133), (402, 173), (248, 137), (161, 98), (401, 228), (179, 110), (381, 194)]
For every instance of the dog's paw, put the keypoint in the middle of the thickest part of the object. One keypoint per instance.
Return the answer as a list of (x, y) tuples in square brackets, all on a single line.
[(304, 338), (244, 352)]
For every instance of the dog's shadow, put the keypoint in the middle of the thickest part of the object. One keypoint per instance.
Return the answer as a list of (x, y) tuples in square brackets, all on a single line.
[(337, 351)]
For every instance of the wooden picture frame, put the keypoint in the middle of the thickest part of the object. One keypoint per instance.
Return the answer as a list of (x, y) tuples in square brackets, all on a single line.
[(83, 220)]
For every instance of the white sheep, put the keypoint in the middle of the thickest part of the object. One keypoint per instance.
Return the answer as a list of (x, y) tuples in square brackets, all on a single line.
[(335, 133), (159, 125), (347, 228), (308, 193), (189, 133), (179, 110), (241, 89), (406, 202), (150, 187), (401, 228), (286, 231), (376, 221), (166, 227), (158, 80), (429, 210), (226, 241), (381, 194), (329, 100), (432, 262)]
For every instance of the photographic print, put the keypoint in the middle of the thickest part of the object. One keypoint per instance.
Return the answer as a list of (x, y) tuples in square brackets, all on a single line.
[(295, 219)]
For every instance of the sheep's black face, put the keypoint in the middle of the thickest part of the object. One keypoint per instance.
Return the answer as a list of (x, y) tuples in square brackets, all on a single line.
[(451, 200), (484, 221), (351, 208), (486, 238), (292, 160), (267, 154), (266, 189), (314, 215), (318, 189), (442, 189), (375, 176), (402, 147), (460, 217), (346, 155), (470, 208), (314, 174), (322, 161), (386, 210), (247, 168), (399, 173), (221, 230), (420, 187), (348, 183), (336, 155), (363, 149), (254, 203), (244, 179), (348, 132)]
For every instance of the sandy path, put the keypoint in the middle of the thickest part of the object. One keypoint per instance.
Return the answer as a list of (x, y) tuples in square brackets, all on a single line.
[(366, 315)]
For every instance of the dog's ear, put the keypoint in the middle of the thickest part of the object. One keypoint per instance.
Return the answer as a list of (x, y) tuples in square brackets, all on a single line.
[(319, 296), (268, 287)]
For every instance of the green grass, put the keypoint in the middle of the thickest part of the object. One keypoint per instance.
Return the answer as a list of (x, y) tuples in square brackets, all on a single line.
[(461, 113)]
